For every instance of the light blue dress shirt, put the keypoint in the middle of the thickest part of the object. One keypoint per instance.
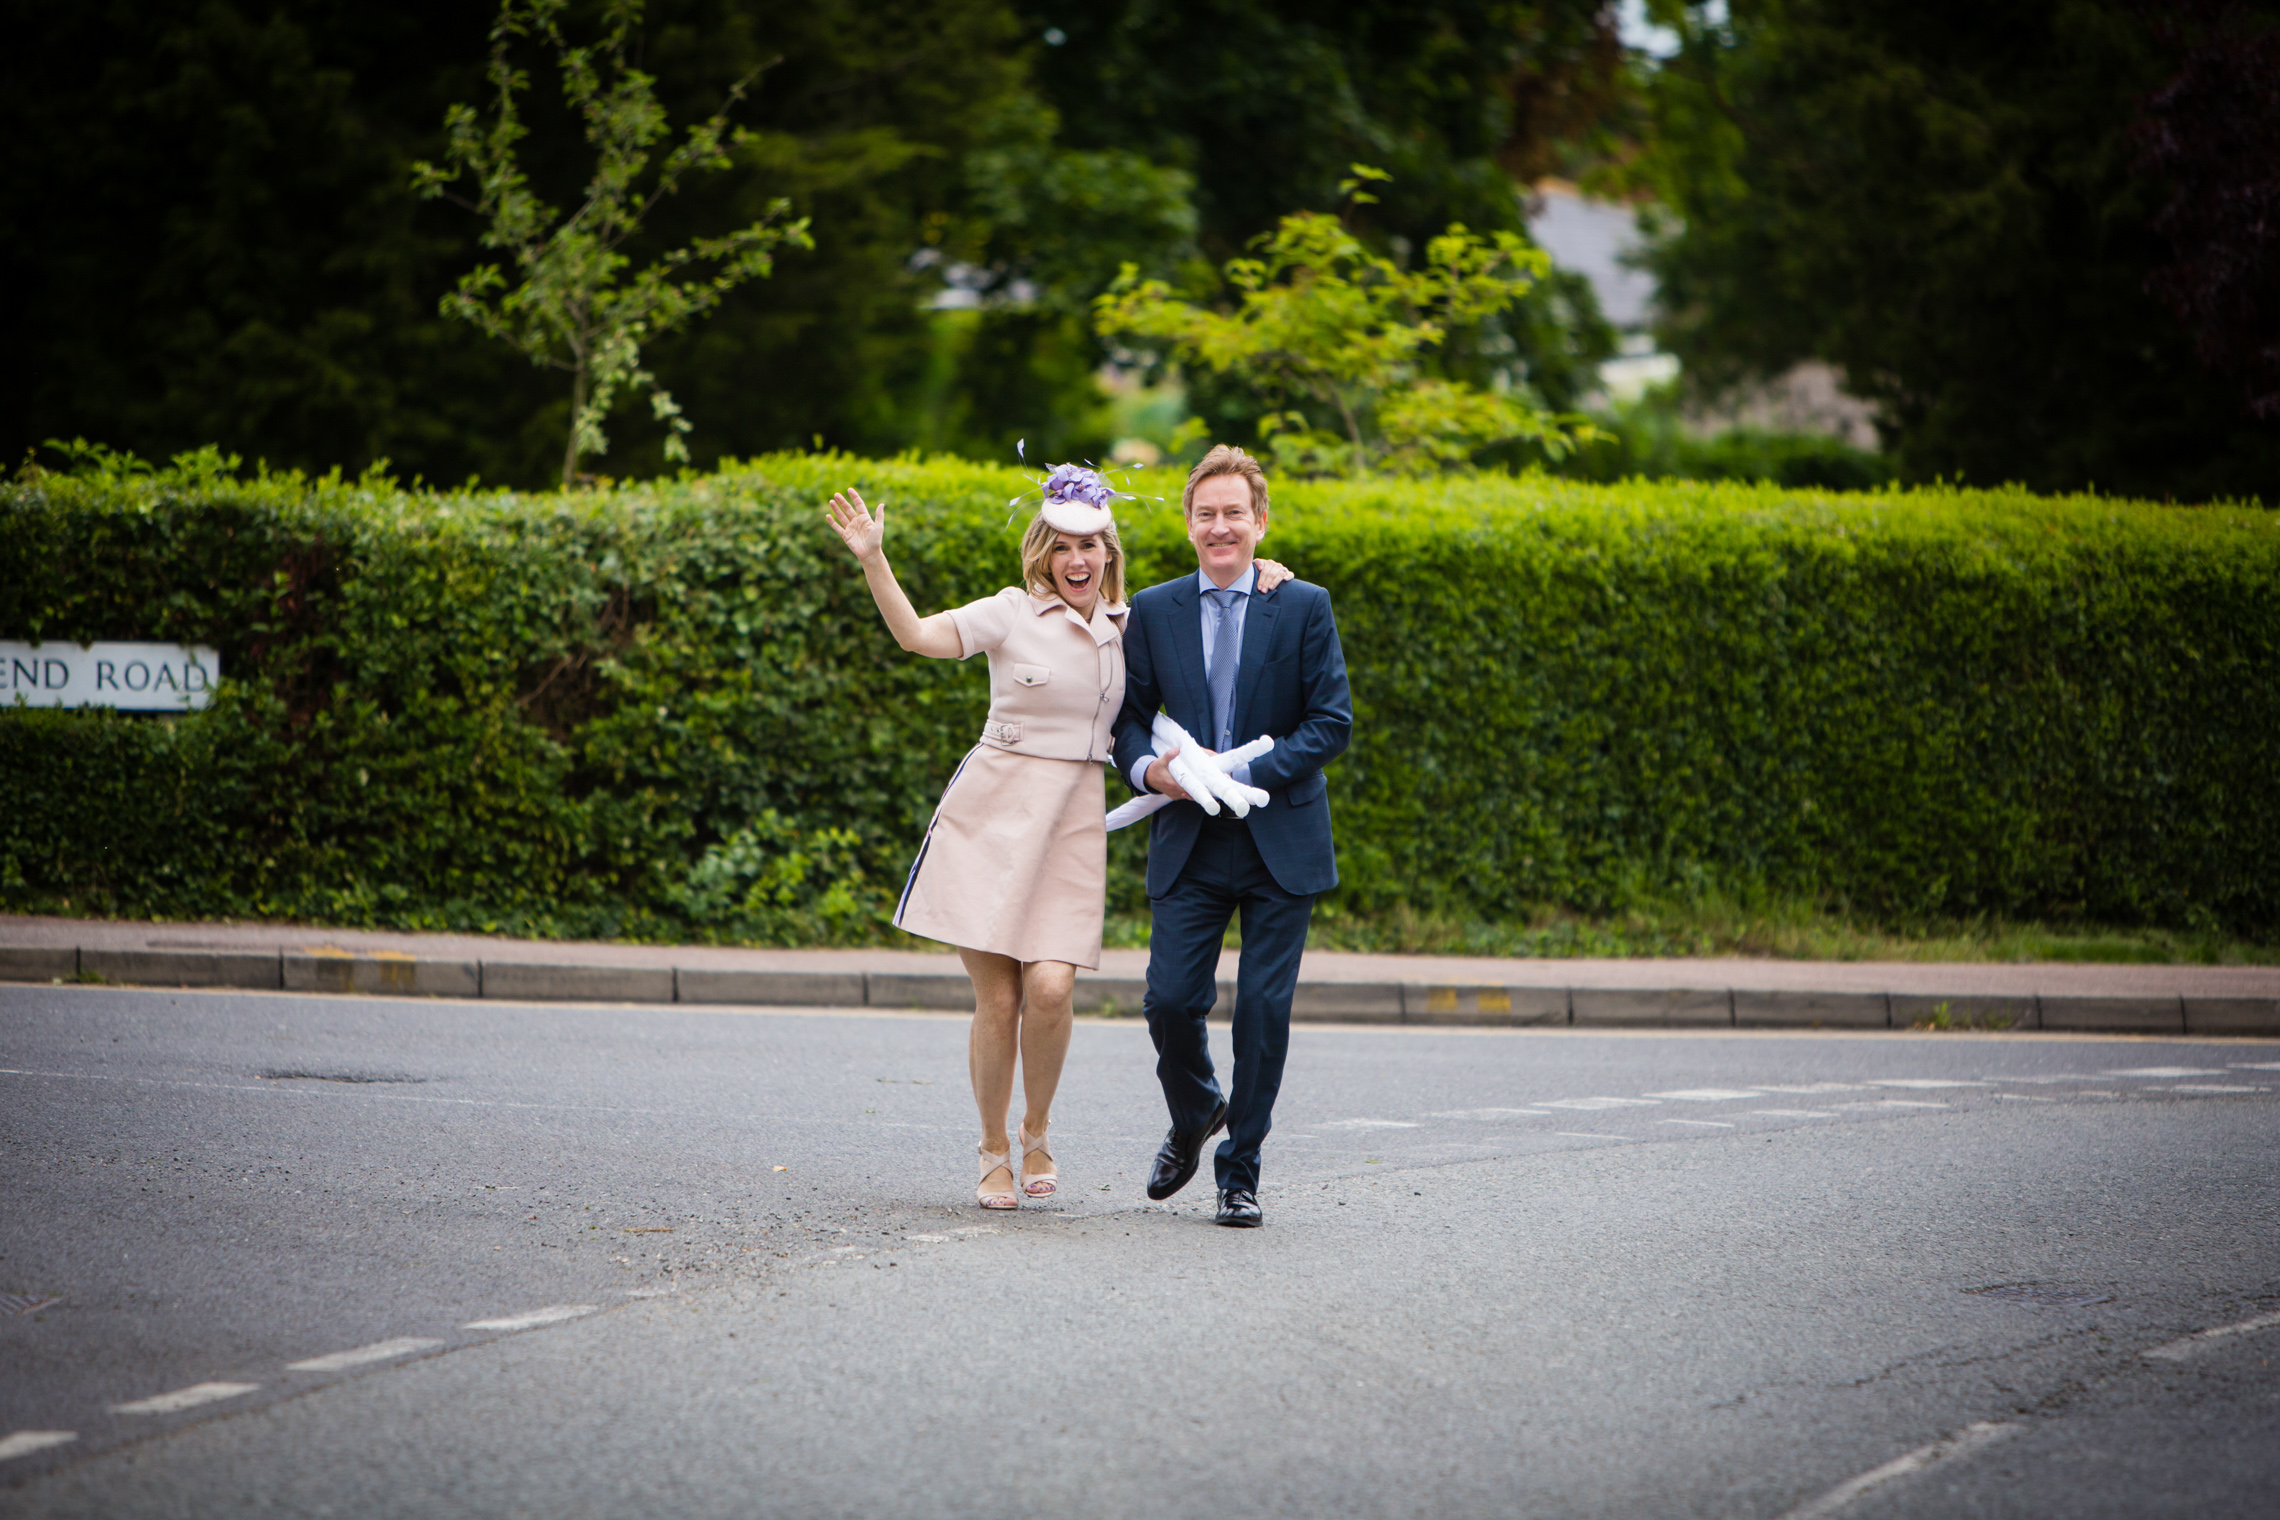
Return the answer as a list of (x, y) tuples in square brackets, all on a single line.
[(1247, 583)]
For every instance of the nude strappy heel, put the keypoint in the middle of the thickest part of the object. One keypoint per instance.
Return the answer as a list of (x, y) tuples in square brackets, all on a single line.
[(1044, 1184), (999, 1198)]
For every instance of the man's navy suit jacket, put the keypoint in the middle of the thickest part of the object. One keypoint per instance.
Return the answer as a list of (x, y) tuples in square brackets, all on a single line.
[(1291, 683)]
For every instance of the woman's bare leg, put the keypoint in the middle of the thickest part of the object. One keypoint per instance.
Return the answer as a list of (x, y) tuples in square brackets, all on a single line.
[(1046, 1021), (991, 1045)]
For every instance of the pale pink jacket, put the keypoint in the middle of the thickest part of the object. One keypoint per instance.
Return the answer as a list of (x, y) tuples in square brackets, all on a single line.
[(1056, 679)]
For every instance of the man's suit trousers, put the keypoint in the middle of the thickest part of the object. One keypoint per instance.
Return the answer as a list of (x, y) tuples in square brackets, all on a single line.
[(1224, 877)]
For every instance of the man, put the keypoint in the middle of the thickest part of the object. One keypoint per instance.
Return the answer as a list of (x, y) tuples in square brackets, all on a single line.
[(1228, 664)]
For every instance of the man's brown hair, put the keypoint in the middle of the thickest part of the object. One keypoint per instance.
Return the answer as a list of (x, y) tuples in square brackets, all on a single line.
[(1226, 459)]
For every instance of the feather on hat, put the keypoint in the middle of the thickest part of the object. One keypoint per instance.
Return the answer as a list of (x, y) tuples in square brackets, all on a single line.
[(1077, 499)]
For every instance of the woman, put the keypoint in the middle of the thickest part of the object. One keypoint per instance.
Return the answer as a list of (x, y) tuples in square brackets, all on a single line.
[(1014, 867)]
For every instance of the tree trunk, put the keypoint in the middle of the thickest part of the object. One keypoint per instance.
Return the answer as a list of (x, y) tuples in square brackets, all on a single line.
[(1353, 431), (577, 407)]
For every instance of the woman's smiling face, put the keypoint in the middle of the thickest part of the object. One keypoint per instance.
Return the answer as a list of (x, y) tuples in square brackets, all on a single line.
[(1077, 562)]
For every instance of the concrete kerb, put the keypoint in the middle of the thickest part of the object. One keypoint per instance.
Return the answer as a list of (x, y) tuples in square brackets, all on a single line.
[(1652, 1008), (36, 963), (263, 969), (398, 975), (2214, 1015), (386, 973), (2113, 1015), (781, 989), (1964, 1012), (1812, 1010)]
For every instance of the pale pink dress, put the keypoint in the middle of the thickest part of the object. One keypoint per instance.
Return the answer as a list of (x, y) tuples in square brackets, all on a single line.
[(1016, 859)]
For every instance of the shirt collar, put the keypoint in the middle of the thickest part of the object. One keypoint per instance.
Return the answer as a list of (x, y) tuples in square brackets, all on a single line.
[(1246, 583), (1107, 621)]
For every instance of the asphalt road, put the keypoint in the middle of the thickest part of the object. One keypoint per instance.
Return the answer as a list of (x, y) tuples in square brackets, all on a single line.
[(1504, 1273)]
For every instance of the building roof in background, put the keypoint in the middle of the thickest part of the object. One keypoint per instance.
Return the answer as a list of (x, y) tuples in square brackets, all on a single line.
[(1589, 237)]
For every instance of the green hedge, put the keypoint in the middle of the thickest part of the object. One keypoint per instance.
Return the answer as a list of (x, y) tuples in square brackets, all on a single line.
[(670, 709)]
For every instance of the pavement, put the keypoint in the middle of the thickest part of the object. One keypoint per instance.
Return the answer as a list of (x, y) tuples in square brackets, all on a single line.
[(293, 1254), (1707, 992)]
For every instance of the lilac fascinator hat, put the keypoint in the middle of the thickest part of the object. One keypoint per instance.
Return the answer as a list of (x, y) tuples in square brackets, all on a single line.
[(1076, 499)]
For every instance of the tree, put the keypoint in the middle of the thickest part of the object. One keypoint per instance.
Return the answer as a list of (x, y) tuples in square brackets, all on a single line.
[(208, 231), (1044, 229), (1939, 200), (2211, 138), (1321, 319), (205, 237), (577, 309), (1265, 103)]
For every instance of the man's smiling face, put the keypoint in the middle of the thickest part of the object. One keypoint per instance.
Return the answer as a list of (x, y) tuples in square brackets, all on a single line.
[(1224, 528)]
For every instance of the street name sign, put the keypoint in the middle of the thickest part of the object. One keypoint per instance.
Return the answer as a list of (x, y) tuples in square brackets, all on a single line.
[(136, 677)]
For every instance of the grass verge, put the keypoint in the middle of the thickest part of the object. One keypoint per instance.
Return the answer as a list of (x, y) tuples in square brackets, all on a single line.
[(1785, 931), (1778, 930)]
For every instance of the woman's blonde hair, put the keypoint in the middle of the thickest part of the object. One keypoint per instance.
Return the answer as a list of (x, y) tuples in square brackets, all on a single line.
[(1036, 560)]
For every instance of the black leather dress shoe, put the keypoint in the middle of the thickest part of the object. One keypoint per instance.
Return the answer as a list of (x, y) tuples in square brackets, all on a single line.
[(1239, 1209), (1176, 1161)]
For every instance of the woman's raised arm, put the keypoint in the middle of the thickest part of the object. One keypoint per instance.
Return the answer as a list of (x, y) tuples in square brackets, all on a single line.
[(866, 538)]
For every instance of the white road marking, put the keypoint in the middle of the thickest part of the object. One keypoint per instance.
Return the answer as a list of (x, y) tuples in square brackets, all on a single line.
[(1699, 1123), (551, 1314), (1894, 1103), (932, 1240), (1791, 1113), (1569, 1134), (2254, 1065), (378, 1351), (1490, 1113), (2024, 1098), (2205, 1087), (1946, 1449), (2167, 1071), (1814, 1087), (1706, 1094), (1592, 1103), (2193, 1345), (1923, 1082), (185, 1398), (1367, 1124), (22, 1443)]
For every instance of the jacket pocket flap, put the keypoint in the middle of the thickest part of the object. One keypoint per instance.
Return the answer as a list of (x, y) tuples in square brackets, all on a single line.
[(1032, 675), (1307, 789)]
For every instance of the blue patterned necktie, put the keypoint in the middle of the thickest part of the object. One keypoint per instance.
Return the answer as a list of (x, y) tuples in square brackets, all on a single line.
[(1226, 654)]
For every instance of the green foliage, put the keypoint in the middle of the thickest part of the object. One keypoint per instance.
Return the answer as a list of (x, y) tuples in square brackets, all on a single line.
[(209, 232), (1648, 438), (576, 309), (670, 710), (1941, 201), (770, 884), (1014, 356), (1266, 103), (1321, 319)]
